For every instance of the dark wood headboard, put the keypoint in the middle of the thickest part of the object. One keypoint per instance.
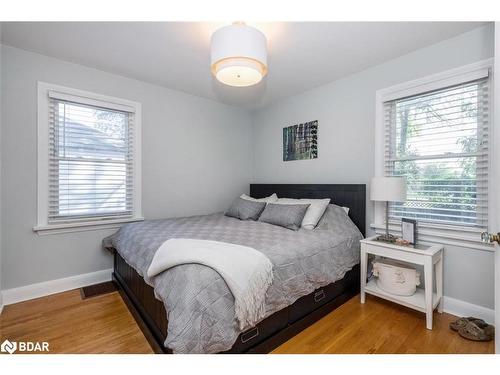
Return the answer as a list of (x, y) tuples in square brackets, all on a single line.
[(347, 195)]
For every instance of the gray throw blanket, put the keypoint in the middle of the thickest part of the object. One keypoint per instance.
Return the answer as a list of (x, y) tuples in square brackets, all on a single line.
[(198, 303)]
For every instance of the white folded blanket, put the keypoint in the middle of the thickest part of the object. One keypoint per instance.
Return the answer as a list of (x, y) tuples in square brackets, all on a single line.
[(247, 272)]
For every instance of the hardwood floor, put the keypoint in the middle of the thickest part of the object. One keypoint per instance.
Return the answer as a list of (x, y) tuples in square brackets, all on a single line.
[(103, 324), (100, 324), (381, 327)]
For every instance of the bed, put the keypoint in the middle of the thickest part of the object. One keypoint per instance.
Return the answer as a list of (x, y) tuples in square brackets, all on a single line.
[(290, 310)]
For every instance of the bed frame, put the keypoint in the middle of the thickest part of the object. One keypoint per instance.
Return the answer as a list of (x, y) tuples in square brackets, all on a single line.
[(276, 329)]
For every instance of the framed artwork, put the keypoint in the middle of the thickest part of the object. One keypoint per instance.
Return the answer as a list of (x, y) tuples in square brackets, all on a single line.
[(300, 142), (409, 230)]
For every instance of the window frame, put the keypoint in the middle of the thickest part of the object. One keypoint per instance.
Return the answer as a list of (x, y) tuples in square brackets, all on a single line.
[(89, 98), (432, 232)]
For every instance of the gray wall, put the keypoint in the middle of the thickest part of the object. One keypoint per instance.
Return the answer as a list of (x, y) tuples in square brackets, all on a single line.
[(346, 113), (1, 296), (197, 154), (196, 158)]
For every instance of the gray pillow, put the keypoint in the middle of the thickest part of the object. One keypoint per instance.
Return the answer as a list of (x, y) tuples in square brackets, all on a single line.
[(335, 218), (285, 215), (245, 210)]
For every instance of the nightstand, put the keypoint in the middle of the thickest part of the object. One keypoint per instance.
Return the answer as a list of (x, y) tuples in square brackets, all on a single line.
[(431, 257)]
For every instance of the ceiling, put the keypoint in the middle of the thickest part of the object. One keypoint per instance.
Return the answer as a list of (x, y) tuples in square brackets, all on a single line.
[(302, 55)]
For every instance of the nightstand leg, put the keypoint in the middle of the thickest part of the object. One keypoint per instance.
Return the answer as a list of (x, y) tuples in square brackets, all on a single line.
[(439, 282), (428, 274), (363, 271)]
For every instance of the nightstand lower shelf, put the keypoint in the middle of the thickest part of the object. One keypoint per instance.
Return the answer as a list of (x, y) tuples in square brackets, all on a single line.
[(416, 301)]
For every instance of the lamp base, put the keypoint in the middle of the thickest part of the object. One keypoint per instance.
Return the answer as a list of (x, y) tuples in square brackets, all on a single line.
[(386, 238)]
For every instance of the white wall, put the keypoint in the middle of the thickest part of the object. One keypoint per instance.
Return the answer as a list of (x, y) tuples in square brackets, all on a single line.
[(496, 225), (1, 295), (345, 110), (196, 159)]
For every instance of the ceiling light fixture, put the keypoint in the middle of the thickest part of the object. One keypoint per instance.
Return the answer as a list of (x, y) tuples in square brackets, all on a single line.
[(239, 55)]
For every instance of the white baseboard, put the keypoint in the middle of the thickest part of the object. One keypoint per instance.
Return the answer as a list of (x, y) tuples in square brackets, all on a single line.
[(46, 288), (461, 308)]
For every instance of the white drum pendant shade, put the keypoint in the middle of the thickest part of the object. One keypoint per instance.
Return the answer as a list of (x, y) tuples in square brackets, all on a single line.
[(239, 55)]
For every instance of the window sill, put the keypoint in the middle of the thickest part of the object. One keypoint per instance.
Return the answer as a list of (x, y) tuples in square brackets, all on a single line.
[(83, 226), (446, 235)]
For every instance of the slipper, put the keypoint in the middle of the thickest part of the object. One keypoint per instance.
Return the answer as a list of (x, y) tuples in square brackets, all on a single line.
[(474, 332), (462, 322)]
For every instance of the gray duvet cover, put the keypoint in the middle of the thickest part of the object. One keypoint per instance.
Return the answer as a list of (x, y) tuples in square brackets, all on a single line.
[(198, 303)]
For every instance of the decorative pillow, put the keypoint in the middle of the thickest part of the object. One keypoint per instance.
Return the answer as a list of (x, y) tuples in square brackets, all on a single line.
[(270, 199), (245, 210), (335, 218), (285, 215), (316, 209)]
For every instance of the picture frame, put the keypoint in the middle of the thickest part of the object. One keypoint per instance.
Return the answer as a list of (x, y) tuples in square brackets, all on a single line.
[(300, 142), (409, 230)]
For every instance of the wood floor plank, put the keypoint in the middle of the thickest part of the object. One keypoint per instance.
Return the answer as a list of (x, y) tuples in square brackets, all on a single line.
[(103, 324)]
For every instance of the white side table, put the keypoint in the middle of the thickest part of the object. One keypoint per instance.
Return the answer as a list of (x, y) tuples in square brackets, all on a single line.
[(431, 257)]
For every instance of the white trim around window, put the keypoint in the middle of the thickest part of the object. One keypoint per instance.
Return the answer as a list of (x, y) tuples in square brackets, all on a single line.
[(47, 92), (431, 233)]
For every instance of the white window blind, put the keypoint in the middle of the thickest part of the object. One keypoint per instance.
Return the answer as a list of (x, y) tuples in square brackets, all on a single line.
[(90, 161), (439, 141)]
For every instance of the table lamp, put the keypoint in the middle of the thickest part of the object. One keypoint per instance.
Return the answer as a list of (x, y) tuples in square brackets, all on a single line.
[(388, 189)]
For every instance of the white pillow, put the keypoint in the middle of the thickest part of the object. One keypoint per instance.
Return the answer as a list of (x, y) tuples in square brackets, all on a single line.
[(314, 211), (346, 209), (270, 199)]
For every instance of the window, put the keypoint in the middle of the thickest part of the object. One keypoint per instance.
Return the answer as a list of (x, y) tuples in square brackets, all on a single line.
[(89, 174), (438, 140)]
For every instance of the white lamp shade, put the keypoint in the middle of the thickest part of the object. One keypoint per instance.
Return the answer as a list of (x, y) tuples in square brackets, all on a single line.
[(388, 189), (239, 55)]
